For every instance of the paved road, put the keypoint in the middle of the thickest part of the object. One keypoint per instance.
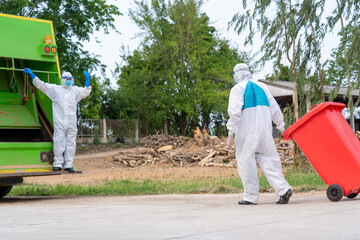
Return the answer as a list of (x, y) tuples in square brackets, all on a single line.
[(307, 216)]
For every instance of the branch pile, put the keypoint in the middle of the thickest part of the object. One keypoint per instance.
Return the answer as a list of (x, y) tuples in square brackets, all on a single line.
[(285, 148), (358, 134), (179, 151), (182, 151), (160, 140)]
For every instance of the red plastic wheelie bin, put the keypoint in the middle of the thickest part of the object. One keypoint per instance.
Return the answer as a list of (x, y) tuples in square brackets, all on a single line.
[(331, 146)]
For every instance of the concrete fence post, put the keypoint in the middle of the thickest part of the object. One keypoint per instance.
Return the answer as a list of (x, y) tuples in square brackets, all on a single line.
[(104, 131), (136, 133)]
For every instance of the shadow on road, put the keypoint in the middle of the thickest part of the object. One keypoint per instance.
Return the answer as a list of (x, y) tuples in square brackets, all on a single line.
[(22, 199)]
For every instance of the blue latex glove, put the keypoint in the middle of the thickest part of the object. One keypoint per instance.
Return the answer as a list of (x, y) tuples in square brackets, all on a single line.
[(87, 82), (28, 71)]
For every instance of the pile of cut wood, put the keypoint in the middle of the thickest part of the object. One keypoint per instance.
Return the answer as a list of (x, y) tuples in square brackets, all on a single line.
[(285, 149), (358, 134), (159, 140), (183, 151)]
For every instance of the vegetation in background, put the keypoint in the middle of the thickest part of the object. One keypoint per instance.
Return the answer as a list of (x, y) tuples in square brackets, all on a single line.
[(296, 33), (345, 65), (181, 73)]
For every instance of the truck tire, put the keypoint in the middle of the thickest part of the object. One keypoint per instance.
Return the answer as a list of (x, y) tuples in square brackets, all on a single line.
[(335, 193), (5, 190)]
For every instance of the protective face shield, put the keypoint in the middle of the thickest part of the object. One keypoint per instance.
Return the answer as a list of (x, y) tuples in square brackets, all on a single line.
[(67, 79), (241, 73), (234, 78)]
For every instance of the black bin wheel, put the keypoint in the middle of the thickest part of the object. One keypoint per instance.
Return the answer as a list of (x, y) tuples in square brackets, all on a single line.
[(4, 190), (335, 193), (352, 195)]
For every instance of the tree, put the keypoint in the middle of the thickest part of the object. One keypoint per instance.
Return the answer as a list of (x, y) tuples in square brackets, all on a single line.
[(313, 11), (293, 30), (345, 67), (181, 73)]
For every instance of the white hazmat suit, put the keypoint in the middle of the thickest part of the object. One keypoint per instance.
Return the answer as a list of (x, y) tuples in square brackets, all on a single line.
[(252, 109), (64, 104)]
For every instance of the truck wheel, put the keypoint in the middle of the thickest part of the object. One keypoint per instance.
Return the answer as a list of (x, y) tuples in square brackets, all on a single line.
[(352, 195), (5, 190), (334, 192)]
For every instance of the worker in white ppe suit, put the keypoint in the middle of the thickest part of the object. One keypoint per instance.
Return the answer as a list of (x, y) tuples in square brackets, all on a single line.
[(252, 109), (64, 104)]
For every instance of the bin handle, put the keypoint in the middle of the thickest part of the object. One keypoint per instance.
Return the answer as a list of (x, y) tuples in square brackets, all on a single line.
[(315, 105)]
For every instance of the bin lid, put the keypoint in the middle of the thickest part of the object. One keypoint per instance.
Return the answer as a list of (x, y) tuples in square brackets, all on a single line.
[(313, 111)]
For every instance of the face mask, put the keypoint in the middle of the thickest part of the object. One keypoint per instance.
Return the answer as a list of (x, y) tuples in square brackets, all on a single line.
[(68, 83)]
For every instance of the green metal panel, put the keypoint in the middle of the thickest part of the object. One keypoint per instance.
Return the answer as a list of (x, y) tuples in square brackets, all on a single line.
[(17, 116), (23, 38), (22, 45), (23, 154)]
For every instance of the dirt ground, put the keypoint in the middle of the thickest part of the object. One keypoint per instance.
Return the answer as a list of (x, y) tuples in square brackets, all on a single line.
[(96, 168)]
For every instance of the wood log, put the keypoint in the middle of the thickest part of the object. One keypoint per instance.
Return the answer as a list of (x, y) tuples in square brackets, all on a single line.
[(165, 148), (198, 136), (205, 135), (133, 163), (207, 158)]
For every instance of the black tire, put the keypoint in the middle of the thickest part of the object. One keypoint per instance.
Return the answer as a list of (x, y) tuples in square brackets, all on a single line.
[(352, 195), (5, 190), (335, 193)]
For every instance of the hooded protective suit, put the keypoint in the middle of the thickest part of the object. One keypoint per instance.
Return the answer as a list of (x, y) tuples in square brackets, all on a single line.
[(64, 104), (252, 109)]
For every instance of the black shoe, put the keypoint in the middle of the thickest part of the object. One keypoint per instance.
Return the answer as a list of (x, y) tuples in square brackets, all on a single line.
[(56, 169), (243, 202), (284, 199), (71, 170)]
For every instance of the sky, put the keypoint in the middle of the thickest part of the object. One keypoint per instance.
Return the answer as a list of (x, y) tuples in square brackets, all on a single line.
[(220, 13)]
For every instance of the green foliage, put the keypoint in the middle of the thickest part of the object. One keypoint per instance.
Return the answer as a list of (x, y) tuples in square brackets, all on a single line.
[(181, 73), (345, 65), (298, 29), (281, 73), (291, 30)]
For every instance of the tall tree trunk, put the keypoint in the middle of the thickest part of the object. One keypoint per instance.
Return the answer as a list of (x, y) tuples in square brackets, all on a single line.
[(293, 72), (218, 129), (205, 120), (351, 103), (166, 127), (181, 121), (318, 64), (146, 128)]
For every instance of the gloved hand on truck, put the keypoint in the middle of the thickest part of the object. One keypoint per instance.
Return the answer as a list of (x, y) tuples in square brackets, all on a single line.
[(87, 82), (28, 71)]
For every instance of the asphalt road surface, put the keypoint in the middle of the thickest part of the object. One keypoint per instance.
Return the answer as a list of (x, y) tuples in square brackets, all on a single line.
[(307, 216)]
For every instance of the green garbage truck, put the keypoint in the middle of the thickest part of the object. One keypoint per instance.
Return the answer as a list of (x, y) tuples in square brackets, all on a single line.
[(26, 125)]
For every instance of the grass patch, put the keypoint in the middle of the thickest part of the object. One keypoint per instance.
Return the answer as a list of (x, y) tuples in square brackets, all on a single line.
[(302, 181), (81, 148)]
